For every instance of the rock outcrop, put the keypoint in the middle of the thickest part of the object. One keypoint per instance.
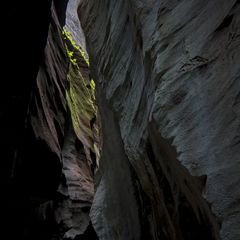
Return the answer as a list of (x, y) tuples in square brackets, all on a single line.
[(167, 80)]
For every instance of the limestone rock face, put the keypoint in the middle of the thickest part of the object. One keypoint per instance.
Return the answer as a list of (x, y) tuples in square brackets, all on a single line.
[(168, 84)]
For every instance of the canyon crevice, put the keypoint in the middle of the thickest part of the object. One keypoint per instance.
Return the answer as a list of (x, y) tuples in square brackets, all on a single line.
[(120, 120)]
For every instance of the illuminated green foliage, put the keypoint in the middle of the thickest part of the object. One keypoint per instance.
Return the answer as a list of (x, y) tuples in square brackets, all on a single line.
[(80, 95), (67, 36)]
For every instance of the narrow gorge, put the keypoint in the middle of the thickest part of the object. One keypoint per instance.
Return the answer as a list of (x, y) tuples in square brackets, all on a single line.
[(120, 120)]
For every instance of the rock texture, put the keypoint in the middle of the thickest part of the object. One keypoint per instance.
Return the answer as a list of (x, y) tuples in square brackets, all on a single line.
[(76, 189), (73, 25), (168, 92), (60, 113), (167, 78), (47, 176)]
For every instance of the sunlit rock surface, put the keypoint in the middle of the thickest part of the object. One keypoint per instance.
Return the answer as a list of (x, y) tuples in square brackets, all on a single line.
[(73, 25), (167, 76)]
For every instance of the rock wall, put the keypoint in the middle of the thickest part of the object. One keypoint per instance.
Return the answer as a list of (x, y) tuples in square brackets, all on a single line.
[(167, 78), (47, 169), (61, 135), (167, 88)]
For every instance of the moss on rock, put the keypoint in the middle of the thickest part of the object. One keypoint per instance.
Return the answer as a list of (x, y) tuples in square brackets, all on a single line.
[(81, 96)]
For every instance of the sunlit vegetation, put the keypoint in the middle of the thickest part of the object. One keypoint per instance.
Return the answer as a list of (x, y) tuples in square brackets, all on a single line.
[(80, 94)]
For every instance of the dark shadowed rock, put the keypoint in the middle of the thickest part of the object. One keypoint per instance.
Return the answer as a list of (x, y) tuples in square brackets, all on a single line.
[(168, 93), (175, 63), (46, 176)]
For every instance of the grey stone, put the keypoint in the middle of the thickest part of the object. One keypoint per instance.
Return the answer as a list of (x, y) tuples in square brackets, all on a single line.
[(175, 63)]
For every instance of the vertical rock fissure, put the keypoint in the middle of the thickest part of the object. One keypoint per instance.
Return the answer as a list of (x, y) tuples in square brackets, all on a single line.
[(60, 153), (80, 153)]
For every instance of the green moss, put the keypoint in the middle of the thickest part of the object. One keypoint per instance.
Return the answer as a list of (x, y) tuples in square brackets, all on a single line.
[(92, 84), (67, 36), (80, 95)]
